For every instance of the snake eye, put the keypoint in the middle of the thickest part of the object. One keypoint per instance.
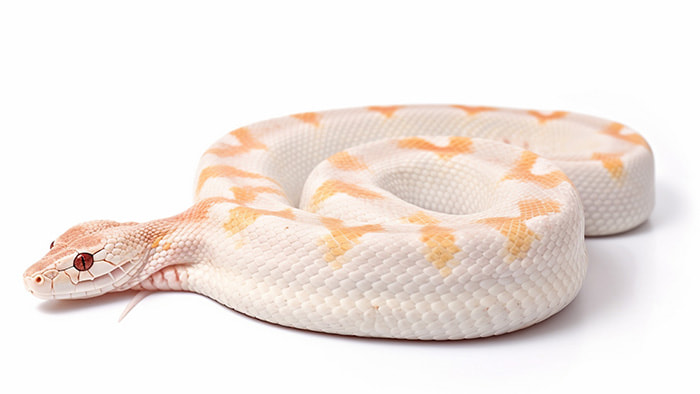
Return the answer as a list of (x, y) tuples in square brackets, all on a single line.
[(83, 261), (51, 247)]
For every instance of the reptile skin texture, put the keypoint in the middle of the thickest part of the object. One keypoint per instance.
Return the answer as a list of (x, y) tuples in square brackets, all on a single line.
[(430, 222)]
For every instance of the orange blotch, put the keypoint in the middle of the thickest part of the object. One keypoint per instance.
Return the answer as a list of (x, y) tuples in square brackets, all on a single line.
[(440, 242), (156, 241), (347, 162), (343, 238), (542, 118), (242, 217), (473, 110), (456, 146), (387, 111), (246, 140), (331, 187), (441, 247), (244, 195), (224, 171), (612, 162), (615, 130), (421, 218), (309, 117), (519, 236), (523, 172)]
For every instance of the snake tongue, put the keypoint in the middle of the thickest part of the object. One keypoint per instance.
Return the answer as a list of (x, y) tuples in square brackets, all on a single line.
[(134, 301)]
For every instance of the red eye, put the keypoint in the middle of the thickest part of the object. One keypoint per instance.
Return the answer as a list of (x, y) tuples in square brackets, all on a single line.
[(51, 247), (83, 261)]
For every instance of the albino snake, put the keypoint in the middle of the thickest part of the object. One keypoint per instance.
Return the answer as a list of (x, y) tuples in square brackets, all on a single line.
[(421, 222)]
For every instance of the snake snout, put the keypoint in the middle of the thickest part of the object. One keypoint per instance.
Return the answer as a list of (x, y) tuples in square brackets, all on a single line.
[(38, 284)]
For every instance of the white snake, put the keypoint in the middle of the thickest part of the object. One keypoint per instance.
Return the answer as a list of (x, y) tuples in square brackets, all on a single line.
[(400, 221)]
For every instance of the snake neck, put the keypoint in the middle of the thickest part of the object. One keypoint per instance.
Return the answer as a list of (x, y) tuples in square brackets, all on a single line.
[(172, 249)]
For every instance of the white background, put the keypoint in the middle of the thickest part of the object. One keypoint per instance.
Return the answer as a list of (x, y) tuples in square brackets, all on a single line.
[(106, 108)]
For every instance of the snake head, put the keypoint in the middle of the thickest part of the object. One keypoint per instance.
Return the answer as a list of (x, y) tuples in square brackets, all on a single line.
[(88, 260)]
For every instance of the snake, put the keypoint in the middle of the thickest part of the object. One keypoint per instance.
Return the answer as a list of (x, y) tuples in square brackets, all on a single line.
[(428, 222)]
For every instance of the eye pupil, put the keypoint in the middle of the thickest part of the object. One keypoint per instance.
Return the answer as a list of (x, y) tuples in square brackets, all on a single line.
[(83, 261), (51, 247)]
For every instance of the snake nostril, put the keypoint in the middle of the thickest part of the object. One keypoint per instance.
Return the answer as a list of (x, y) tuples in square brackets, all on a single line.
[(38, 279)]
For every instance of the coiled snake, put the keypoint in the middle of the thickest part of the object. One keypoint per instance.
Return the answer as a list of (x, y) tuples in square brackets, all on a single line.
[(421, 222)]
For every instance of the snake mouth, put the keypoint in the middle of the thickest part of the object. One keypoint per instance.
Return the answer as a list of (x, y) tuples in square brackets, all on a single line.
[(42, 287), (52, 284)]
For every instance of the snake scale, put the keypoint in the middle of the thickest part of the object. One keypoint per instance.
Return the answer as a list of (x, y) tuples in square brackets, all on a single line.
[(429, 222)]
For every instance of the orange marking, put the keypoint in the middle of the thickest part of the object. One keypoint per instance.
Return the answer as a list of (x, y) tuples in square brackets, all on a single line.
[(421, 218), (159, 236), (473, 110), (156, 241), (546, 118), (346, 161), (520, 237), (439, 240), (309, 117), (242, 217), (457, 145), (246, 140), (387, 111), (332, 187), (441, 247), (244, 195), (342, 238), (523, 172), (612, 163), (615, 130), (225, 150), (224, 171)]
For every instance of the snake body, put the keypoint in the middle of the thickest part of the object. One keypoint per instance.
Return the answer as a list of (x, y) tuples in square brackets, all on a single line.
[(420, 222)]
